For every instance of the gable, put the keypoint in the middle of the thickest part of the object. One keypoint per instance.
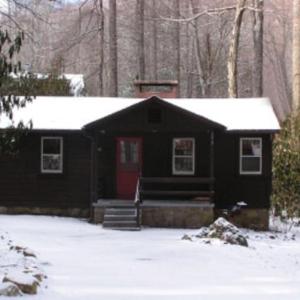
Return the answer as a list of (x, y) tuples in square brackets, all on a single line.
[(151, 115)]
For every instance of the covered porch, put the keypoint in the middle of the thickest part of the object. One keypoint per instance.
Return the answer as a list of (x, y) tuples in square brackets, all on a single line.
[(163, 171), (160, 202)]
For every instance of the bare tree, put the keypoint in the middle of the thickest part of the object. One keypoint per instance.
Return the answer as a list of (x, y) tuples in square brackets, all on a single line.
[(140, 16), (113, 49), (178, 45), (296, 54), (154, 40), (100, 23), (257, 70), (233, 50)]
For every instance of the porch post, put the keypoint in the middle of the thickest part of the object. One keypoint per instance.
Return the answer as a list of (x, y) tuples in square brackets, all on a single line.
[(212, 159), (93, 173), (96, 181)]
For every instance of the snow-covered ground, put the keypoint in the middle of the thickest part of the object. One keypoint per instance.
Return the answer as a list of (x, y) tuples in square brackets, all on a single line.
[(84, 261)]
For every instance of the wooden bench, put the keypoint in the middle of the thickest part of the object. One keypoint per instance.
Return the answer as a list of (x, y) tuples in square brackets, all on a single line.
[(188, 188)]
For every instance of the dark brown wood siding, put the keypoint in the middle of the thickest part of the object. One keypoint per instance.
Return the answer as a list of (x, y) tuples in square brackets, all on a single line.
[(23, 184), (231, 186)]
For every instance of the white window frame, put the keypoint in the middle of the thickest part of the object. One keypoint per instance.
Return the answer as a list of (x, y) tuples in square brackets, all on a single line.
[(242, 172), (60, 170), (175, 172)]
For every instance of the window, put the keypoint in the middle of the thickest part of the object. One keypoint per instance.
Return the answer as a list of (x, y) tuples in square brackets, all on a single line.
[(183, 156), (250, 156), (52, 155)]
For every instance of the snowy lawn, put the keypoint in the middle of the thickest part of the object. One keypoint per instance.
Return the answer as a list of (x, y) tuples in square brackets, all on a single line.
[(84, 261)]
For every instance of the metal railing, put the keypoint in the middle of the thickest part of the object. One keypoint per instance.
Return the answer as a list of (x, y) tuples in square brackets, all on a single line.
[(137, 202)]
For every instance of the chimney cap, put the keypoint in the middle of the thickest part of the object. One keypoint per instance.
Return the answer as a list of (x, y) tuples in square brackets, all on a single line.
[(155, 82)]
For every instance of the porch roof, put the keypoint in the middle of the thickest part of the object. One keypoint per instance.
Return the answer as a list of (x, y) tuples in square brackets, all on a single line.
[(70, 113)]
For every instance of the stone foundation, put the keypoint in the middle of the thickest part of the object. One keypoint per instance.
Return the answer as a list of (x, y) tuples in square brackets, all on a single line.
[(177, 216), (98, 215), (257, 219), (172, 214), (67, 212)]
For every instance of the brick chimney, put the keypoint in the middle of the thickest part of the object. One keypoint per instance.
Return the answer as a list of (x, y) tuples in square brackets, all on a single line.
[(160, 88)]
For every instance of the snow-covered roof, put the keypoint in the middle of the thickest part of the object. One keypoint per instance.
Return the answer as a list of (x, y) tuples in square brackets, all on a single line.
[(234, 114), (69, 113)]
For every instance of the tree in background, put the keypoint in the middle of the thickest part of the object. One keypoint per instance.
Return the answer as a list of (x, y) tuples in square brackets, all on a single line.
[(195, 48), (9, 48), (113, 48), (257, 31), (31, 84), (296, 55), (286, 165), (286, 169), (233, 49)]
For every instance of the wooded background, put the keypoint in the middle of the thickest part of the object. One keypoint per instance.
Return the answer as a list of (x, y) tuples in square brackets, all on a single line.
[(113, 42)]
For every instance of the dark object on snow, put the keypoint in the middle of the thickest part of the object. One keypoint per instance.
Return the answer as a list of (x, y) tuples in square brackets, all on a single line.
[(224, 230)]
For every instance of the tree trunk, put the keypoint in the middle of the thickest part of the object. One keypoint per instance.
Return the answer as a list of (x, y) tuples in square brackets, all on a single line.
[(154, 40), (113, 49), (100, 21), (141, 39), (177, 46), (78, 57), (198, 55), (257, 71), (189, 62), (233, 50), (296, 55)]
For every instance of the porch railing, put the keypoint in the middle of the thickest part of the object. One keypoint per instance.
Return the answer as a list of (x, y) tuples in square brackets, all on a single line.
[(137, 202), (188, 188)]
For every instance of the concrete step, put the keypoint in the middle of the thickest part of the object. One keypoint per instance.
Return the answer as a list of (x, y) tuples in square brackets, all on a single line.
[(116, 218), (120, 224), (120, 211), (121, 218), (120, 205), (124, 228)]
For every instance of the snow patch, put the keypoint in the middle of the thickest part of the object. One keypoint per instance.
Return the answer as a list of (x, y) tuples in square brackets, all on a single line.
[(20, 271), (88, 262), (76, 83)]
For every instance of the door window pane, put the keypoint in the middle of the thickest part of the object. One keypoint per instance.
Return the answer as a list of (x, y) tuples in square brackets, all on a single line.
[(129, 152)]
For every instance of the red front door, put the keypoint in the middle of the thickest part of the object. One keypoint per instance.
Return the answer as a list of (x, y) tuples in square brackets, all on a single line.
[(129, 166)]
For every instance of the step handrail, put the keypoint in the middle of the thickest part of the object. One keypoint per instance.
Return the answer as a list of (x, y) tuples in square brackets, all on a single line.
[(137, 201)]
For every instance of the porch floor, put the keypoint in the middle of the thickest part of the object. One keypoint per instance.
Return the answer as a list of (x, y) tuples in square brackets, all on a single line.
[(153, 203)]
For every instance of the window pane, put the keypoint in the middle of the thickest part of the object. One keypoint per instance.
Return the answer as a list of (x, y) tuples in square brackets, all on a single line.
[(251, 147), (250, 164), (183, 164), (129, 151), (183, 147), (51, 146), (52, 162)]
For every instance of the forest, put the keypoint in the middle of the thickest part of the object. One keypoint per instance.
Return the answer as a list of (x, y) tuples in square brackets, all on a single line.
[(200, 43)]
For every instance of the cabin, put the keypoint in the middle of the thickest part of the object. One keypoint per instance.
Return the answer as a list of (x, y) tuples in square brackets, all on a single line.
[(154, 160)]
